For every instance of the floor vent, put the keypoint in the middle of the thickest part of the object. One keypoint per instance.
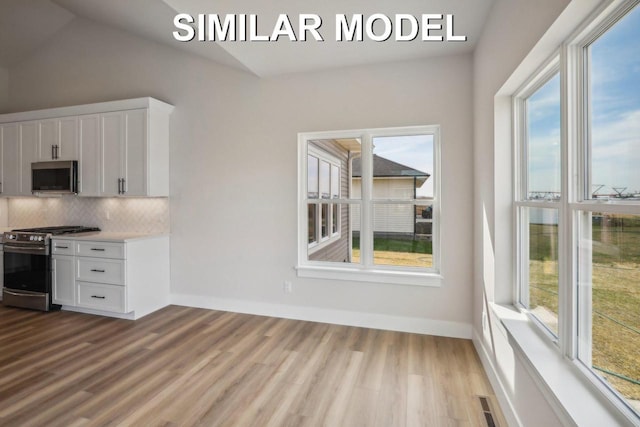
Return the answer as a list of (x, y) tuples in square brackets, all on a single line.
[(486, 410)]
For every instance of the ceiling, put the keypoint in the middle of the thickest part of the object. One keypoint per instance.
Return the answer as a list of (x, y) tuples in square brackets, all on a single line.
[(26, 25)]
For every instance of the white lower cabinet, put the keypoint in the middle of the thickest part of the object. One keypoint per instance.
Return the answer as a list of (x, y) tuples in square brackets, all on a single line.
[(63, 287), (101, 296), (127, 279)]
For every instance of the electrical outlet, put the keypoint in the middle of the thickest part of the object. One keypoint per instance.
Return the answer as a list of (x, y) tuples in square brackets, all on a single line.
[(287, 287), (107, 215)]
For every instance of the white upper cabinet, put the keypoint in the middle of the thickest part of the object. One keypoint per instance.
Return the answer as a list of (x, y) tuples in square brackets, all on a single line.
[(122, 147), (10, 164), (28, 154), (89, 155), (112, 127), (58, 139), (135, 153)]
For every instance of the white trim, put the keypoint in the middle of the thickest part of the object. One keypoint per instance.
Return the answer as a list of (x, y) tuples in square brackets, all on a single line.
[(354, 272), (387, 322), (499, 388), (366, 269), (77, 110), (574, 400), (127, 316)]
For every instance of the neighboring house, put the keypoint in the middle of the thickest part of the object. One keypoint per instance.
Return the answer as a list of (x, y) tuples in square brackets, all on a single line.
[(331, 175), (391, 181)]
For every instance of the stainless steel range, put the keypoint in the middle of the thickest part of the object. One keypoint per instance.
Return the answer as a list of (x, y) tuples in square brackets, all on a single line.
[(27, 265)]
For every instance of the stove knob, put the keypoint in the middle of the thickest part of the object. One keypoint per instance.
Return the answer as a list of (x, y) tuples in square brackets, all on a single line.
[(40, 238)]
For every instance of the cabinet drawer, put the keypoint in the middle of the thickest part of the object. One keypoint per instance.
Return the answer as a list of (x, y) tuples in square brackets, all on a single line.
[(101, 250), (101, 270), (101, 297), (61, 247)]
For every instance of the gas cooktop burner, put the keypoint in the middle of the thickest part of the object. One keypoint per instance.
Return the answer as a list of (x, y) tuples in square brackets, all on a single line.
[(58, 230)]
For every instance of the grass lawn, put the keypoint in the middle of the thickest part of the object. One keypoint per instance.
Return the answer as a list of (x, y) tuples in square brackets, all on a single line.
[(615, 296), (401, 252)]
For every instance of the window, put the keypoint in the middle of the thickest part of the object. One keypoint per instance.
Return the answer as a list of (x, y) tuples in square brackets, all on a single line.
[(372, 204), (577, 202), (323, 184), (539, 190)]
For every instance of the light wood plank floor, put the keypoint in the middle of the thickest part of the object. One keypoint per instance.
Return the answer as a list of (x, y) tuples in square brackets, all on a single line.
[(186, 366)]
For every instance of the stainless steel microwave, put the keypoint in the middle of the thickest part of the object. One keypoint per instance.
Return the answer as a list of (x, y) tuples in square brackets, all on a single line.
[(54, 177)]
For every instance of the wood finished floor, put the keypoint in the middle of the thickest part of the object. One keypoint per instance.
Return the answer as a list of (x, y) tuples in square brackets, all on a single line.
[(185, 366)]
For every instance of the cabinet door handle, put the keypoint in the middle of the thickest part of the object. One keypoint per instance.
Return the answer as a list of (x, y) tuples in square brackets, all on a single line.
[(53, 151), (98, 296), (119, 185), (0, 187), (61, 247), (124, 186), (97, 271), (98, 249), (57, 151)]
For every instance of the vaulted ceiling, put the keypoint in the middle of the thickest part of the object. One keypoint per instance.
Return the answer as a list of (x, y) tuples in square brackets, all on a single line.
[(27, 25)]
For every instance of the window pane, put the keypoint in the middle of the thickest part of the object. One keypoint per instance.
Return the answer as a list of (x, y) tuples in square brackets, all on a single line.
[(324, 179), (610, 283), (403, 167), (324, 208), (615, 111), (312, 177), (543, 141), (335, 221), (343, 246), (541, 297), (401, 236), (312, 223), (335, 182)]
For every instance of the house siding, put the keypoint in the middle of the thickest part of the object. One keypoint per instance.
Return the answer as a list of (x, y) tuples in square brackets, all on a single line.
[(338, 251), (389, 218)]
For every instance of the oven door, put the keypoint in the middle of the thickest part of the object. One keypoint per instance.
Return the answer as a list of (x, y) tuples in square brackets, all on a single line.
[(27, 277)]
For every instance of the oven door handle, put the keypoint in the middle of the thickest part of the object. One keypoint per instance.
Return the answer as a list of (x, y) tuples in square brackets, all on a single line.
[(25, 250), (22, 293)]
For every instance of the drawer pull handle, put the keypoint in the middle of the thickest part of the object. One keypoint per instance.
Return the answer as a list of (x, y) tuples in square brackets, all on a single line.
[(95, 270), (98, 296), (62, 247), (98, 249)]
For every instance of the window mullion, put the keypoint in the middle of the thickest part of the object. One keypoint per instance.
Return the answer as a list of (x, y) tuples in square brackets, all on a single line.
[(366, 230), (566, 260)]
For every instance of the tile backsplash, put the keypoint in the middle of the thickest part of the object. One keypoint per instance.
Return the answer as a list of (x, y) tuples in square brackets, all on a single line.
[(142, 215)]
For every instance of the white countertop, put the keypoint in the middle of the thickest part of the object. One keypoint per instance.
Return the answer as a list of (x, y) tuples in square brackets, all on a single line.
[(106, 236), (101, 236)]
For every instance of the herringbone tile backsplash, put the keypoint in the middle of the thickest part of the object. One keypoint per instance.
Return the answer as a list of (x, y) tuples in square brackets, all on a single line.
[(144, 215)]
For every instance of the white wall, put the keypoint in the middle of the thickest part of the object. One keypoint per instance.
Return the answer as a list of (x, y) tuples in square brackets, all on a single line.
[(513, 29), (233, 166)]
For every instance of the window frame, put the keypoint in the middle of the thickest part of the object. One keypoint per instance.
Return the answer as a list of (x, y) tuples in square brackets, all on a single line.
[(366, 270), (549, 69), (331, 237), (574, 304)]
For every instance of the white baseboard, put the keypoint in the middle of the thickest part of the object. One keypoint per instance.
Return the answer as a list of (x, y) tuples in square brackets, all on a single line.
[(498, 386), (323, 315)]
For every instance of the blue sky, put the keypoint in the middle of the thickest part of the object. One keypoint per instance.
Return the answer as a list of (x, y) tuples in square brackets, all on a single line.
[(415, 151), (615, 115), (615, 91)]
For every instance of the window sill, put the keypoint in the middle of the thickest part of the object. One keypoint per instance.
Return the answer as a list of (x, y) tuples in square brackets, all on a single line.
[(373, 276), (576, 400)]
